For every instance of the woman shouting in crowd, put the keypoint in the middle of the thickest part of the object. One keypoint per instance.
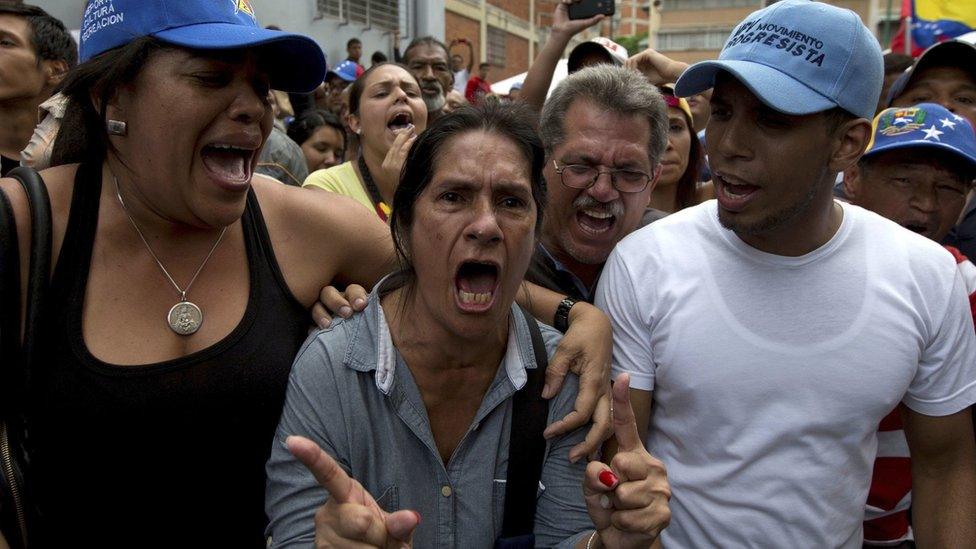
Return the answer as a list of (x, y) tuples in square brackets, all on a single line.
[(427, 398), (386, 112)]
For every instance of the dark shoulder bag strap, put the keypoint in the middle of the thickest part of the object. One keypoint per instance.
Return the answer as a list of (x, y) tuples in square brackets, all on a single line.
[(17, 356), (9, 306), (40, 254), (527, 446)]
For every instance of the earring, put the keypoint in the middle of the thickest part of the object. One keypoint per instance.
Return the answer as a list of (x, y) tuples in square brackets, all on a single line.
[(116, 127)]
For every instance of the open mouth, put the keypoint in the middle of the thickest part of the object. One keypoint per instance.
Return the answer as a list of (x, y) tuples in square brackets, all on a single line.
[(475, 285), (227, 162), (733, 194), (917, 228), (595, 221), (400, 121)]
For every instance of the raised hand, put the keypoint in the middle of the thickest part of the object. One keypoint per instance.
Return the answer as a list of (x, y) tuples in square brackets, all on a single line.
[(394, 160), (656, 67), (563, 25), (628, 500), (350, 517)]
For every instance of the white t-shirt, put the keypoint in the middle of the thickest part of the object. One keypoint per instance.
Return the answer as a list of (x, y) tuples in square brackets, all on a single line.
[(770, 373), (461, 80)]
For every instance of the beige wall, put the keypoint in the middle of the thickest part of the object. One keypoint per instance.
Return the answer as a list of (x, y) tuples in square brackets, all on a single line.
[(714, 18)]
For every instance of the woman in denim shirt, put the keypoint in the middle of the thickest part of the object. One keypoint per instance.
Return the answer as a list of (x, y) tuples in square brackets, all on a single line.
[(413, 398)]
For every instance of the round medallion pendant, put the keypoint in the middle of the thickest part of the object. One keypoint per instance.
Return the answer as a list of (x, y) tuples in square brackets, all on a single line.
[(185, 318)]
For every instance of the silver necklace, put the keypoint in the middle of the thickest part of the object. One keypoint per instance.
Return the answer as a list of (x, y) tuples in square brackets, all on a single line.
[(184, 318)]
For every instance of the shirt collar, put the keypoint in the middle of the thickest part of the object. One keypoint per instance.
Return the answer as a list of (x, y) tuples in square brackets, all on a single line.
[(519, 354), (557, 265)]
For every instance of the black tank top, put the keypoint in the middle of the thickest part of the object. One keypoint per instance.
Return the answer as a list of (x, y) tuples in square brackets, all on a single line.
[(168, 454)]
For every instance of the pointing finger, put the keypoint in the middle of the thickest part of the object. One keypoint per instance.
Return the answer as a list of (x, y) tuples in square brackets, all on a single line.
[(624, 422), (327, 472)]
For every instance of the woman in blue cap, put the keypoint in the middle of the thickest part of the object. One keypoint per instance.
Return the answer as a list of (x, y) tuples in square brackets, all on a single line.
[(181, 283)]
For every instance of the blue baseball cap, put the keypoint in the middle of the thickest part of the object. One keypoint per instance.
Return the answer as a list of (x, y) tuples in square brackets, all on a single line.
[(345, 70), (799, 57), (299, 64), (923, 125)]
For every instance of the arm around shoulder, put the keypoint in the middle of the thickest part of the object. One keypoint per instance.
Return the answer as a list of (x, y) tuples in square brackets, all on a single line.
[(325, 239)]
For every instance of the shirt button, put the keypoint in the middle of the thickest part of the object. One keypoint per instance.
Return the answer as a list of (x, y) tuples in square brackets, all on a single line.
[(446, 491)]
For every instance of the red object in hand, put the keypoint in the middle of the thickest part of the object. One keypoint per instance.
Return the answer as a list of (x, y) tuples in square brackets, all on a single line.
[(608, 478)]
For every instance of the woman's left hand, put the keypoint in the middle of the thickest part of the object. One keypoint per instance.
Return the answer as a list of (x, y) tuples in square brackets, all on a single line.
[(627, 501), (585, 351)]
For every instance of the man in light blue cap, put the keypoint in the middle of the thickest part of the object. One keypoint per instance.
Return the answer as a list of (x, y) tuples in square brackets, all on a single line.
[(768, 378)]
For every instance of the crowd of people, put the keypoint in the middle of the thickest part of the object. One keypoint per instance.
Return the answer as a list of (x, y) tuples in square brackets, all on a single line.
[(288, 303)]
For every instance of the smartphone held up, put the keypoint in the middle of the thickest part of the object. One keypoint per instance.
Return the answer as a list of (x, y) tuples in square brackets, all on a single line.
[(584, 9)]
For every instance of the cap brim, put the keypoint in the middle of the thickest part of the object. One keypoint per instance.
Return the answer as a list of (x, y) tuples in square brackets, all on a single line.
[(776, 89), (958, 153), (298, 62)]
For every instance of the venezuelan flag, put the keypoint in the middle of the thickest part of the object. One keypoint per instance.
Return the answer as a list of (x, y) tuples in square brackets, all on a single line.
[(935, 21)]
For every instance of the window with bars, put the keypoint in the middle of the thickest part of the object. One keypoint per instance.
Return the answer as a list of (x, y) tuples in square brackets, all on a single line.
[(704, 4), (496, 46), (708, 39), (382, 14)]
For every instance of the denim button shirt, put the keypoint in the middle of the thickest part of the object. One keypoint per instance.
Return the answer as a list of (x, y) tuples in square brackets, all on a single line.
[(351, 392)]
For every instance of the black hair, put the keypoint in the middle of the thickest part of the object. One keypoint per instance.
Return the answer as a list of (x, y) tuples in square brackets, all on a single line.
[(378, 57), (352, 41), (82, 137), (306, 123), (50, 38), (356, 91), (512, 121), (425, 41), (485, 64), (837, 117)]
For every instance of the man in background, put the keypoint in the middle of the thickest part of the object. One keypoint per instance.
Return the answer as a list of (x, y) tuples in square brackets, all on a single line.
[(945, 74), (462, 71), (37, 52), (354, 52), (478, 86), (427, 59), (916, 172)]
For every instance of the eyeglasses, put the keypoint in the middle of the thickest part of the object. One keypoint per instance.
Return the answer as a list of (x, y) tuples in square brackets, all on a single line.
[(581, 176)]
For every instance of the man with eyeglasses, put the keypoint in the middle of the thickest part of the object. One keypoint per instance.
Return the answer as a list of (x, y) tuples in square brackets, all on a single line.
[(604, 129)]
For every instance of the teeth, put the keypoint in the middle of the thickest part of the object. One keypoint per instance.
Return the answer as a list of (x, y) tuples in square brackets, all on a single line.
[(479, 299), (227, 147), (599, 214)]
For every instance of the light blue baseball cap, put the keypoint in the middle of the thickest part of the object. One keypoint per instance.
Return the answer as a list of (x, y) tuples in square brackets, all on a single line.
[(925, 125), (298, 62), (799, 57)]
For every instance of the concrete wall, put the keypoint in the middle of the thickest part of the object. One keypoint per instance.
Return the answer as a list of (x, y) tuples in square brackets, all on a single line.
[(417, 18)]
